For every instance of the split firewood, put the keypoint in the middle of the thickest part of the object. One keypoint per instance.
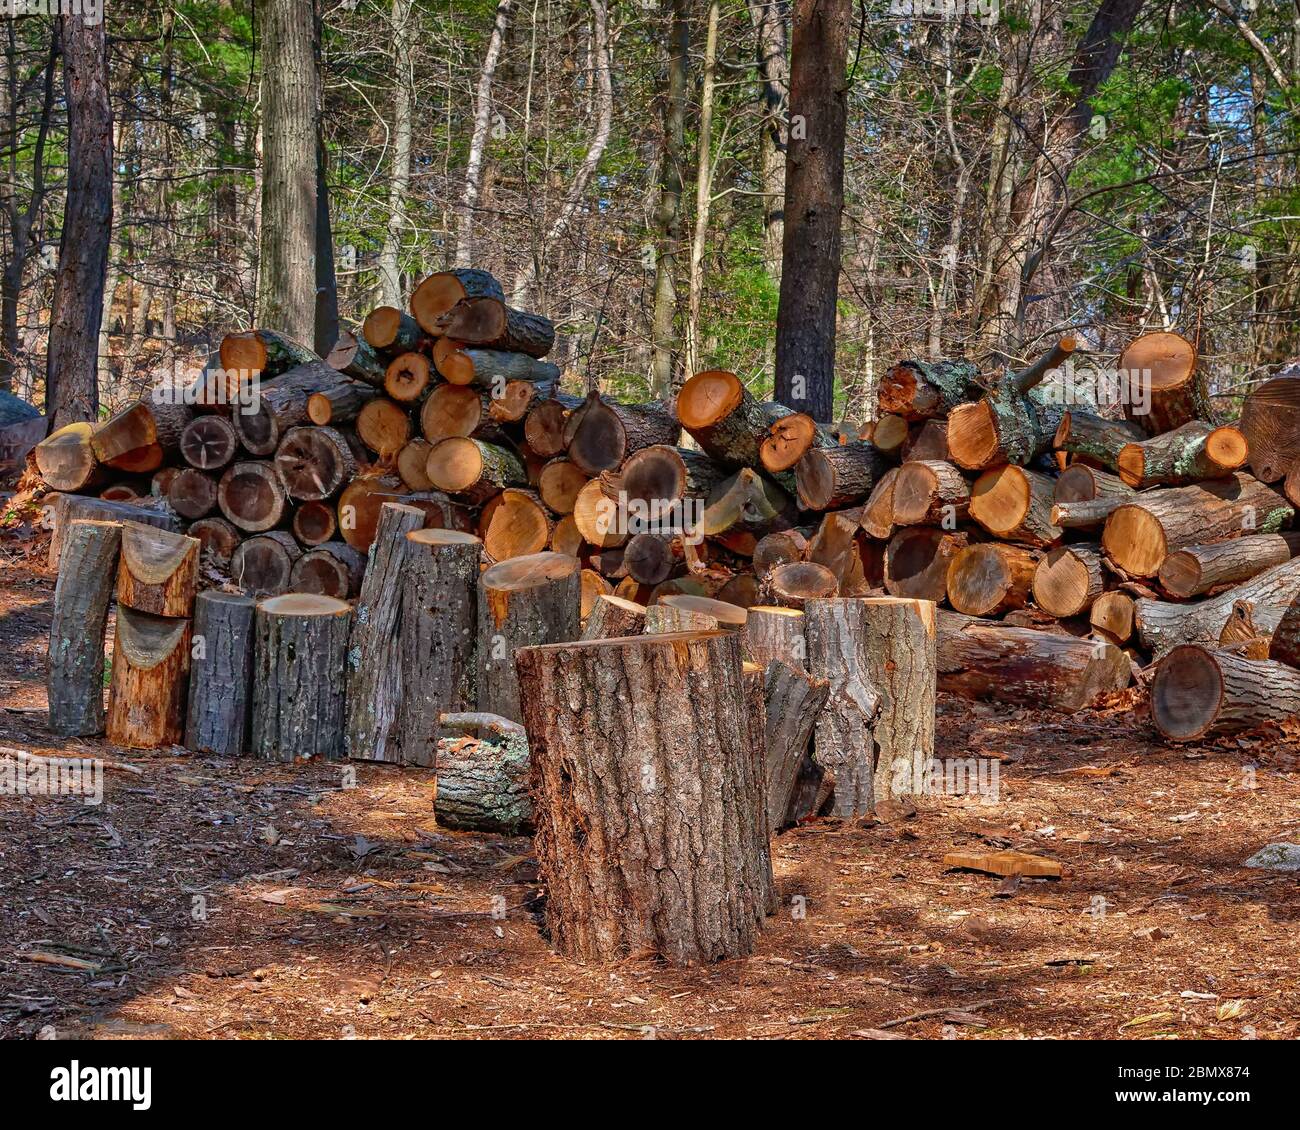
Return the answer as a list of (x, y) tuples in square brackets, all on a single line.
[(222, 674), (263, 564), (750, 502), (1198, 692), (841, 545), (1187, 454), (1068, 580), (440, 292), (151, 663), (613, 616), (878, 511), (990, 578), (1163, 390), (793, 702)]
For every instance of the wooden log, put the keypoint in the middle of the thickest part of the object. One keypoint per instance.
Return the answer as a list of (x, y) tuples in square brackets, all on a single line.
[(282, 405), (412, 464), (160, 480), (384, 427), (829, 478), (1068, 579), (613, 616), (793, 702), (544, 427), (775, 633), (192, 493), (442, 290), (900, 648), (330, 569), (59, 511), (522, 602), (1015, 504), (1187, 454), (264, 353), (982, 660), (917, 560), (435, 641), (559, 484), (724, 419), (793, 584), (263, 565), (990, 578), (841, 545), (391, 331), (122, 492), (87, 577), (158, 570), (314, 523), (490, 323), (374, 674), (922, 390), (314, 463), (1198, 568), (209, 443), (929, 493), (597, 517), (878, 511), (455, 410), (300, 656), (747, 501), (222, 673), (339, 405), (1198, 692), (362, 502), (1081, 483), (1111, 617), (606, 774), (890, 435), (929, 441), (1270, 421), (1140, 534), (789, 439), (483, 783), (599, 434), (1093, 437), (1084, 515), (217, 537), (1163, 392), (488, 368), (473, 470), (354, 357), (782, 547), (139, 434), (511, 403), (252, 497), (407, 377), (67, 461), (151, 662), (691, 612), (650, 558)]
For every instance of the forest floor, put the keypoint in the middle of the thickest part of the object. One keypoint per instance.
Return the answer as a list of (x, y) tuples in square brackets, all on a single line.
[(208, 898)]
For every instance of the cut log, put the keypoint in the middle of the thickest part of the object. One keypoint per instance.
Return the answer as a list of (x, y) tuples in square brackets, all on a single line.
[(441, 291), (565, 538), (728, 617), (122, 492), (151, 662), (490, 323), (314, 523), (599, 434), (829, 478), (158, 570), (1198, 692), (473, 470), (544, 427), (1085, 515), (775, 633), (747, 501), (929, 441), (354, 357), (407, 377), (921, 390), (650, 557), (1081, 483), (298, 685), (1090, 436), (522, 602), (613, 616), (192, 493), (391, 330), (890, 435), (361, 503), (374, 674), (1142, 533), (412, 464), (1188, 454), (722, 417), (878, 512), (282, 405), (488, 368), (339, 405), (929, 493), (1270, 421), (900, 649), (263, 565), (791, 585), (982, 660), (1015, 504), (592, 587), (483, 782), (87, 577), (209, 443), (221, 678), (128, 440), (332, 569), (1161, 388), (991, 578), (559, 484), (666, 474), (1198, 568), (780, 548), (1068, 580), (789, 439), (384, 427), (597, 517), (262, 353), (251, 495), (435, 639), (519, 527), (217, 537), (1111, 617), (314, 463), (793, 702), (672, 754), (511, 403), (841, 546), (917, 561), (160, 480), (66, 459), (59, 511)]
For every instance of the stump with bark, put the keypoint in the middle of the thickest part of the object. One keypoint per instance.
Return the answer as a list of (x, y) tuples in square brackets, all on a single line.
[(613, 616), (221, 677), (484, 771), (151, 663)]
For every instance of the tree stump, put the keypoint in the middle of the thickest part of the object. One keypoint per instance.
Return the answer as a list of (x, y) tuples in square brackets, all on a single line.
[(436, 637), (483, 775), (87, 578), (151, 661), (298, 681), (613, 616), (221, 679), (158, 570), (529, 600), (793, 702), (649, 805)]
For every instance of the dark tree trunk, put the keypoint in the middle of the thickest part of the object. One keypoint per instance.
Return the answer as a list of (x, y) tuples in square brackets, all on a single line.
[(814, 199)]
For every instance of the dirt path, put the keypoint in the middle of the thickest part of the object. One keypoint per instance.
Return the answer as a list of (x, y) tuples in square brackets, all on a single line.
[(236, 899)]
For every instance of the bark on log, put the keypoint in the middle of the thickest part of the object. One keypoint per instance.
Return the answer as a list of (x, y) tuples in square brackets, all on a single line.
[(441, 291), (209, 443), (830, 478), (483, 783), (87, 577), (314, 463), (793, 584), (991, 578), (1198, 692), (1090, 436), (1188, 454), (922, 390), (263, 353), (1199, 568), (221, 678), (929, 493), (330, 569), (339, 405), (599, 434), (1014, 504), (252, 497), (1068, 580), (687, 612), (1084, 515), (1081, 483), (1162, 389), (391, 330), (59, 511), (794, 700), (613, 616), (146, 698), (158, 570), (789, 439), (263, 565), (650, 810), (473, 470), (490, 323), (354, 357), (1270, 420), (878, 511), (282, 405), (780, 548), (298, 682), (436, 637), (66, 460), (775, 633), (917, 560), (374, 673), (722, 417), (488, 368)]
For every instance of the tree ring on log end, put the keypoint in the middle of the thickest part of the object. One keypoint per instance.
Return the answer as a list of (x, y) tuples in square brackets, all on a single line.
[(1186, 692), (709, 397), (1135, 541)]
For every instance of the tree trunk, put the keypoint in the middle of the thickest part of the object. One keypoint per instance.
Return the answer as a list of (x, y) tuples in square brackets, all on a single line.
[(651, 826), (1081, 483), (669, 217), (704, 172), (151, 661), (600, 433), (87, 575), (465, 213), (991, 578), (390, 272), (221, 679), (923, 390), (1198, 692)]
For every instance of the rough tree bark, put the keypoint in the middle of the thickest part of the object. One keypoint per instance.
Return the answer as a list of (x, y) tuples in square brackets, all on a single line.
[(478, 140), (221, 677)]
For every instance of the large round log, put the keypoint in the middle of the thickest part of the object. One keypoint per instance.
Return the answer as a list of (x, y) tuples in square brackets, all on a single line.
[(927, 492), (263, 565), (649, 803), (391, 330), (87, 577), (917, 560), (221, 677), (281, 405), (158, 571), (1015, 504), (990, 578), (599, 434), (559, 484), (1068, 579), (151, 662), (361, 503), (340, 404), (1111, 617), (490, 323), (1198, 692), (829, 478), (1081, 483), (473, 470), (66, 459), (251, 495), (314, 523), (441, 291), (192, 493), (519, 526), (314, 463), (141, 434), (436, 638), (407, 377), (789, 439), (664, 474), (1188, 454), (263, 353), (597, 517), (330, 569), (544, 427), (920, 390), (1270, 420), (727, 423), (1162, 389), (298, 680), (384, 427), (209, 443)]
